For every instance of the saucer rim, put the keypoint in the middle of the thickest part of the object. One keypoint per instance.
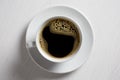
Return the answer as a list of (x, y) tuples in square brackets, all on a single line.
[(71, 63)]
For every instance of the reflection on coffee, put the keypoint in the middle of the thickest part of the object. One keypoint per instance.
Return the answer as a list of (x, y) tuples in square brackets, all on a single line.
[(59, 38)]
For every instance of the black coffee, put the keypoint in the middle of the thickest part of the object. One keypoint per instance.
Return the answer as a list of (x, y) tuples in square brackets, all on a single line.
[(58, 45), (59, 38)]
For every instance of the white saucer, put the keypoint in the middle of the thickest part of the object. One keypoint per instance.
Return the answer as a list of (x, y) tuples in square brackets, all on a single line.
[(83, 52)]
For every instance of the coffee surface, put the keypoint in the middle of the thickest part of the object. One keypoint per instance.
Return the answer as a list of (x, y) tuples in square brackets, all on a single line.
[(59, 38)]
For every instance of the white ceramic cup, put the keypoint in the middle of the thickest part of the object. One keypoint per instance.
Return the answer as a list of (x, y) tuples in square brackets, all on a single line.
[(44, 54)]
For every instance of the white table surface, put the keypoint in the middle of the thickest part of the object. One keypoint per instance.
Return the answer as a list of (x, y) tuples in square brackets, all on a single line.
[(104, 61)]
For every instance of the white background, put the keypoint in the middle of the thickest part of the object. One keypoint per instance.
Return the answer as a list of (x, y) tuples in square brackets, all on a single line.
[(104, 61)]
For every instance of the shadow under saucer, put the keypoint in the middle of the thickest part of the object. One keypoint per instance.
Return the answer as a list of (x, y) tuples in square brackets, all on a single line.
[(26, 69)]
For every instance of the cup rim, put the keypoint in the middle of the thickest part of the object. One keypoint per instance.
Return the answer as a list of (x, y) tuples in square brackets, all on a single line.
[(53, 59)]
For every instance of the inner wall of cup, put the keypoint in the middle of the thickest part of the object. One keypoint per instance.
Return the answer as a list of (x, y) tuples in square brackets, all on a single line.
[(44, 53)]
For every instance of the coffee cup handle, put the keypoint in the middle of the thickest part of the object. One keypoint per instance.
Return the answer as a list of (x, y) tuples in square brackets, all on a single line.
[(31, 44)]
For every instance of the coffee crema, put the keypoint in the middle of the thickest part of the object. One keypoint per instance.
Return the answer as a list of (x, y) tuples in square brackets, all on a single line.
[(59, 38)]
